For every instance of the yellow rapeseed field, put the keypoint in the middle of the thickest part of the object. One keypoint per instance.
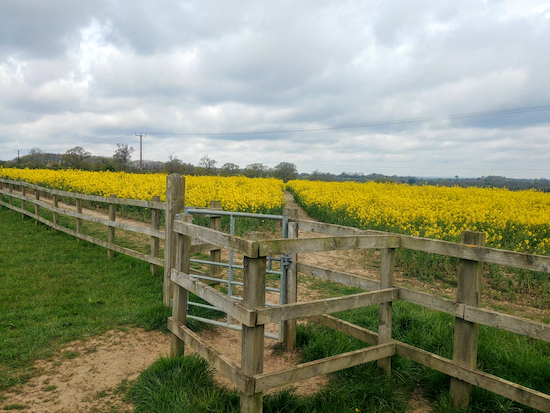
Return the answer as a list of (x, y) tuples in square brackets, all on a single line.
[(257, 195), (515, 220)]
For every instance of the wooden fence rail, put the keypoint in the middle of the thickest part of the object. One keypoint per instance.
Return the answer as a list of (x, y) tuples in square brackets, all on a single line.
[(181, 235), (250, 379), (17, 190)]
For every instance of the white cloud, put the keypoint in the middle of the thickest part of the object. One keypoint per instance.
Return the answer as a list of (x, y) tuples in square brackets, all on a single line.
[(105, 70)]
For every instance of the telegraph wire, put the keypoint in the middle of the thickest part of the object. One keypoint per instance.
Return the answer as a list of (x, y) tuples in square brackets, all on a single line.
[(457, 116), (107, 140)]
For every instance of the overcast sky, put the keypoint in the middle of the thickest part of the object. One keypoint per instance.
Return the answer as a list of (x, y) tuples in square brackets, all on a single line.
[(93, 73)]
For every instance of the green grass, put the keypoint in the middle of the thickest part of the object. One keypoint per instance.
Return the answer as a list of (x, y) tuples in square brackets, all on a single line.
[(55, 290), (185, 383)]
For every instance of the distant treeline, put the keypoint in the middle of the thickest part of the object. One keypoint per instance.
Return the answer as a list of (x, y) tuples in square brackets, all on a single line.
[(78, 158), (491, 181)]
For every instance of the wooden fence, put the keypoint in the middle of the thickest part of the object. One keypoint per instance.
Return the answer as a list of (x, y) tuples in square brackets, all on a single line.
[(249, 377), (45, 199)]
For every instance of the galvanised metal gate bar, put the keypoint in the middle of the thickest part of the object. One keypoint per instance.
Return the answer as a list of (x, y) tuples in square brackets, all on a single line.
[(284, 261)]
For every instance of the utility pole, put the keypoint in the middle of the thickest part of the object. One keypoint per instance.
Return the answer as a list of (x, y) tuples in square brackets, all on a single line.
[(18, 160), (141, 135)]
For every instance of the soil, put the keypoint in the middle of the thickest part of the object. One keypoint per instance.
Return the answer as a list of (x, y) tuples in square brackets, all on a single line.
[(92, 375)]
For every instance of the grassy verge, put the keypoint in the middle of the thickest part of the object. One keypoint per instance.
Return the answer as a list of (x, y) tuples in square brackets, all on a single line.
[(170, 385), (55, 290)]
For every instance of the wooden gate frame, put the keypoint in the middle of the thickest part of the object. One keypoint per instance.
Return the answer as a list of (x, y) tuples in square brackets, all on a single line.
[(249, 378)]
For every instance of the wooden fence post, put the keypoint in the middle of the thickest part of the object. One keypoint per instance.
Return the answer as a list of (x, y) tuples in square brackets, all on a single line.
[(10, 198), (36, 207), (215, 255), (252, 350), (55, 214), (181, 295), (23, 201), (385, 309), (466, 333), (175, 202), (111, 229), (79, 220), (291, 292), (155, 242)]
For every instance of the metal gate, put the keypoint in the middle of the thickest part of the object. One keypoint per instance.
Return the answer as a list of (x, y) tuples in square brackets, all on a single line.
[(283, 261)]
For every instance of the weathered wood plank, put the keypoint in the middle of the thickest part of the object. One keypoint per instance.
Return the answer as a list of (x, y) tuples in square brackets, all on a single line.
[(175, 203), (291, 284), (512, 391), (216, 254), (332, 229), (110, 229), (219, 239), (223, 364), (431, 301), (325, 306), (475, 253), (513, 324), (385, 309), (345, 242), (490, 318), (339, 277), (226, 304), (79, 220), (466, 334), (347, 328), (36, 206), (252, 348), (181, 295), (155, 240), (327, 365), (203, 247), (55, 214), (100, 242), (128, 227), (14, 208)]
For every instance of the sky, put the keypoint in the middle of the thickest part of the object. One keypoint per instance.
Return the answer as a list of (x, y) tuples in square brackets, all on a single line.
[(425, 88)]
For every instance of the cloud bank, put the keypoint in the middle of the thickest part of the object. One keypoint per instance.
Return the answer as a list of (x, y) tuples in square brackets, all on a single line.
[(93, 73)]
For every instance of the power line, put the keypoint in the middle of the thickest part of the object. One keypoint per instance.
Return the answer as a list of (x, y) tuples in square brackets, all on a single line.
[(378, 166), (106, 140), (457, 116)]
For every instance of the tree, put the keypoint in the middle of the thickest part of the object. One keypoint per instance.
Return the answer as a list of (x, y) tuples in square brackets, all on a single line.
[(75, 158), (256, 170), (35, 156), (285, 171), (173, 164), (188, 169), (123, 154), (206, 162), (229, 169)]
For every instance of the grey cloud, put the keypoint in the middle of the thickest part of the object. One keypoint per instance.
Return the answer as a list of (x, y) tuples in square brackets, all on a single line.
[(42, 28), (77, 72)]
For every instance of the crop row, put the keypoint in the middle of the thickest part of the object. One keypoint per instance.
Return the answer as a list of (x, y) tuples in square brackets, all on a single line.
[(235, 193), (514, 220)]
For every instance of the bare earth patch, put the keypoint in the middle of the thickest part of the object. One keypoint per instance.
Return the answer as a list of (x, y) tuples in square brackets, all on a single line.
[(90, 375)]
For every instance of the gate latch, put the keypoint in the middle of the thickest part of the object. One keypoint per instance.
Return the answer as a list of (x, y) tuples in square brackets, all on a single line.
[(286, 260)]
